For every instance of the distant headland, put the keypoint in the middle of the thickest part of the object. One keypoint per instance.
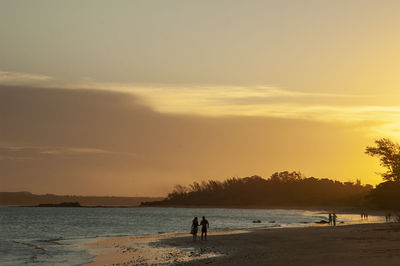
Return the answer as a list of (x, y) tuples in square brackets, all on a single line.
[(51, 200), (63, 204)]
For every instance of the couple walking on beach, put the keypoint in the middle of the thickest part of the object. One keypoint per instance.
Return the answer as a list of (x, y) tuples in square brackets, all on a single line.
[(204, 227)]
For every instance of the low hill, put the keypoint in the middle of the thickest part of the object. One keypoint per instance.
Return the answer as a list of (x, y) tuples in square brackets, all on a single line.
[(29, 199)]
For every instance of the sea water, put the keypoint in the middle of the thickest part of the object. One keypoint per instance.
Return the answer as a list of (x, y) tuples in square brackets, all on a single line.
[(54, 236)]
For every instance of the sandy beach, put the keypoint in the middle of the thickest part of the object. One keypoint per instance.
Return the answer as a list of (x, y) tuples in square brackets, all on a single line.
[(358, 244)]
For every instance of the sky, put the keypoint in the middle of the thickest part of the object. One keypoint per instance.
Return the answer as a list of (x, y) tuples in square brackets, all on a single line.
[(130, 98)]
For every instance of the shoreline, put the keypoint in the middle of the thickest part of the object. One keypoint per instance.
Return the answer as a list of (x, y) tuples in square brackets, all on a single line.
[(322, 209), (145, 250), (222, 247)]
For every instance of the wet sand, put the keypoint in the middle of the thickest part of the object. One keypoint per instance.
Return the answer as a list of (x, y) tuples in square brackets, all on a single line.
[(360, 244)]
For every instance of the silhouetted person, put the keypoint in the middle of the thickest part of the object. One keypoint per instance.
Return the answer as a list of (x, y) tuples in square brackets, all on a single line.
[(334, 218), (389, 216), (204, 227), (364, 215), (195, 225), (330, 219)]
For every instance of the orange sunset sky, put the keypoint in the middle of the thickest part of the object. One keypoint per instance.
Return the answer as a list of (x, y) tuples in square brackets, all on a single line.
[(129, 98)]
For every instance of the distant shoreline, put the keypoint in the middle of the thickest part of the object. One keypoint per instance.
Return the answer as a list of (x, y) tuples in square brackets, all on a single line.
[(38, 206), (29, 199)]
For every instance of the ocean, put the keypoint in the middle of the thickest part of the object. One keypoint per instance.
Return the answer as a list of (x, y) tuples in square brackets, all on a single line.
[(54, 236)]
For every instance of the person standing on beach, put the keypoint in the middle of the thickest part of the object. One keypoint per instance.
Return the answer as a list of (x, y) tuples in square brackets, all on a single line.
[(330, 218), (204, 227), (334, 218), (387, 217), (193, 231)]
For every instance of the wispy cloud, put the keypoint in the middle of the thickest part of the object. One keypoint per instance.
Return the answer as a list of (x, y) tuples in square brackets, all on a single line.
[(221, 100), (8, 77), (69, 150), (260, 101), (269, 101), (14, 151), (14, 158)]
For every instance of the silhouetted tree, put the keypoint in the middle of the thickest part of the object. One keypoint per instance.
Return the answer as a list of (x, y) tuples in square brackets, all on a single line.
[(389, 154), (287, 176)]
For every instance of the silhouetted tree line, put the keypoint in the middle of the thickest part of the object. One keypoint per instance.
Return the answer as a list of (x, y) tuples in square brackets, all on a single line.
[(293, 189), (281, 189)]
